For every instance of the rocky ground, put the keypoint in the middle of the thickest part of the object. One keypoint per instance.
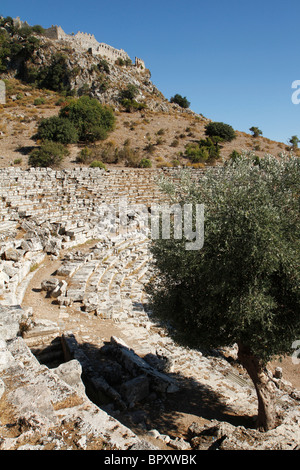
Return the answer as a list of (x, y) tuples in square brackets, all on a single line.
[(168, 396)]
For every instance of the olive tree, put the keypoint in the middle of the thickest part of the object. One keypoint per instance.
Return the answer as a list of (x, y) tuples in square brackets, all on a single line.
[(242, 287)]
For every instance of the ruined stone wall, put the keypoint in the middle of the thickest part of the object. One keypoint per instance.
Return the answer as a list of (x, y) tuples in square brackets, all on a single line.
[(139, 63), (55, 32), (85, 42), (64, 193)]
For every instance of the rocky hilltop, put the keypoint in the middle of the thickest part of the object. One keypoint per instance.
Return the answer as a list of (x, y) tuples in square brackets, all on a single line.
[(88, 64), (42, 67)]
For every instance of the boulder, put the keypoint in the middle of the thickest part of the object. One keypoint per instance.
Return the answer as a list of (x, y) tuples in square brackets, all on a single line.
[(12, 254), (71, 372), (50, 284), (59, 290), (135, 390)]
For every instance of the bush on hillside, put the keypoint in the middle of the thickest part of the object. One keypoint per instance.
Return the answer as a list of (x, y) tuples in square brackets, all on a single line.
[(92, 120), (220, 129), (256, 132), (180, 100), (205, 151), (58, 129), (55, 76), (85, 156), (127, 99), (145, 163), (49, 154), (97, 164)]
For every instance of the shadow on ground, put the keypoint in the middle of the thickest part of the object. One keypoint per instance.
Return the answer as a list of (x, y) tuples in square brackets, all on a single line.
[(169, 413)]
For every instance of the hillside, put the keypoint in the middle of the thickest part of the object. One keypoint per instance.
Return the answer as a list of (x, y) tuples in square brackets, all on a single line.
[(159, 131)]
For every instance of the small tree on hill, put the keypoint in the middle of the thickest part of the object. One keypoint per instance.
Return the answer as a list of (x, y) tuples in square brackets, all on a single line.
[(256, 132), (58, 129), (180, 100), (294, 142), (49, 154), (242, 287), (92, 120), (220, 129)]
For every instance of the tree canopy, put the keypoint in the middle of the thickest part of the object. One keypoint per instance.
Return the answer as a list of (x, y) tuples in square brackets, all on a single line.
[(243, 285), (92, 120), (220, 129), (182, 101)]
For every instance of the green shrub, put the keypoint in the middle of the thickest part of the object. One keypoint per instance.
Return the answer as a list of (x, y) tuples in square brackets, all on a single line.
[(145, 163), (92, 120), (56, 76), (180, 100), (206, 150), (97, 164), (129, 156), (85, 156), (132, 105), (58, 129), (256, 132), (235, 155), (39, 101), (294, 141), (49, 154), (38, 29), (219, 129), (103, 66), (129, 93), (126, 99)]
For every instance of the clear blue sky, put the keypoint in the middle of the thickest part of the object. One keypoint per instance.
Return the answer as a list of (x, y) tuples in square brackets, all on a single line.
[(234, 60)]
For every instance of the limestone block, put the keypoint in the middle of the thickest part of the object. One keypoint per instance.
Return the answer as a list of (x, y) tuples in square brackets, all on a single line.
[(159, 382), (12, 254), (135, 390), (71, 372), (50, 284), (91, 303), (9, 269), (59, 290), (6, 358), (10, 318), (41, 328), (34, 398), (4, 279), (33, 244)]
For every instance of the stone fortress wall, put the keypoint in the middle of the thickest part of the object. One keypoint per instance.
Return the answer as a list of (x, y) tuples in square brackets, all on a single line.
[(87, 41)]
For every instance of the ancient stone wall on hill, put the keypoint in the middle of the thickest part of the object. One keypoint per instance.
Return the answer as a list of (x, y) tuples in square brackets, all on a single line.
[(86, 42)]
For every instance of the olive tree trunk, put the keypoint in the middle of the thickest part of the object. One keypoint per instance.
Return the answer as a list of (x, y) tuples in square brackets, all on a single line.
[(264, 387)]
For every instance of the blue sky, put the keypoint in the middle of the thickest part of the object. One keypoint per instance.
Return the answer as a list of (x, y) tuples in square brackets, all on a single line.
[(234, 60)]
